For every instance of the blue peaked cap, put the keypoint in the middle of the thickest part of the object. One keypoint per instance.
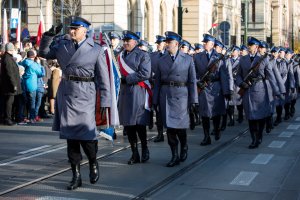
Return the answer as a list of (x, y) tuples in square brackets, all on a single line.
[(160, 38), (236, 48), (218, 43), (185, 43), (253, 41), (207, 37), (263, 44), (198, 46), (244, 47), (79, 22), (290, 51), (170, 35), (275, 49), (113, 35), (282, 49), (127, 35), (143, 43)]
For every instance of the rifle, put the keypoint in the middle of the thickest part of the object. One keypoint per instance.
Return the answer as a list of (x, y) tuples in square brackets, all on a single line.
[(205, 80), (252, 70)]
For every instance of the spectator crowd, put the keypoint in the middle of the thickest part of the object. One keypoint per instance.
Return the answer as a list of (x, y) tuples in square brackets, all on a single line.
[(28, 84)]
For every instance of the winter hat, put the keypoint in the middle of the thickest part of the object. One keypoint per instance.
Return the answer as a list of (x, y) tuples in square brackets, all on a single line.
[(9, 47)]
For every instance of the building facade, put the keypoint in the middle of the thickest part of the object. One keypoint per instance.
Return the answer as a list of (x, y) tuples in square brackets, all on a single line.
[(231, 21)]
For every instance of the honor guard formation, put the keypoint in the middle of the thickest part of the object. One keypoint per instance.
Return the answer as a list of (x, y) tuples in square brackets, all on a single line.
[(119, 80)]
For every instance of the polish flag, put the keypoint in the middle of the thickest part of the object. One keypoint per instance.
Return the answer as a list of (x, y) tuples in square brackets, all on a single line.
[(41, 29), (214, 25), (4, 28)]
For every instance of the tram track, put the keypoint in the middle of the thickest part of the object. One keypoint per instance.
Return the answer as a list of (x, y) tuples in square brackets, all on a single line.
[(145, 194), (155, 188)]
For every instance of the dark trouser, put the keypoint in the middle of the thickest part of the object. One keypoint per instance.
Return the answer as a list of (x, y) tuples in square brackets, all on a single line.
[(256, 128), (173, 134), (9, 100), (132, 132), (159, 123), (240, 113), (293, 103), (31, 97), (90, 148)]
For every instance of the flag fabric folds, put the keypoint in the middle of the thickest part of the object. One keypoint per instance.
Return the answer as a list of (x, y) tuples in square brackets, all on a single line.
[(41, 29), (4, 28)]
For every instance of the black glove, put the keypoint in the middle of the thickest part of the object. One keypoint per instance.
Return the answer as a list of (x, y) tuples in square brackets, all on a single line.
[(103, 112), (244, 85), (58, 28), (193, 108), (293, 90), (228, 97), (156, 108), (201, 84), (123, 80)]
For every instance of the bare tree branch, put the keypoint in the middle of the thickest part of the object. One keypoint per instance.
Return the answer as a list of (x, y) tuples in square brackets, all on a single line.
[(70, 8)]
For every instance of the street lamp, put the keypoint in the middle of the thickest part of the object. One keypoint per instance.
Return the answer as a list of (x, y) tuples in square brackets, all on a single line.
[(180, 12)]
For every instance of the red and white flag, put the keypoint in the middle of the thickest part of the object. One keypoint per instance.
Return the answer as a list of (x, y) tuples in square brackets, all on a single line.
[(41, 29), (19, 31), (4, 28), (125, 70)]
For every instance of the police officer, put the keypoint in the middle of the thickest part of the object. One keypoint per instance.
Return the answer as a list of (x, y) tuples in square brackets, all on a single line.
[(283, 70), (244, 50), (296, 70), (76, 95), (134, 105), (175, 92), (236, 99), (155, 58), (214, 87), (255, 99), (279, 81), (198, 48), (115, 42), (290, 84), (144, 45), (185, 46)]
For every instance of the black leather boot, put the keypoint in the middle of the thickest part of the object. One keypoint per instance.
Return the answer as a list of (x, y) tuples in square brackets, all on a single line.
[(224, 122), (206, 140), (269, 125), (145, 154), (183, 153), (230, 115), (255, 141), (292, 110), (287, 111), (159, 137), (76, 180), (94, 172), (240, 113), (278, 117), (175, 158), (135, 157)]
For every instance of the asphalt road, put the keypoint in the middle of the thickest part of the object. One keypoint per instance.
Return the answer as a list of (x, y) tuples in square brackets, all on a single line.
[(34, 165)]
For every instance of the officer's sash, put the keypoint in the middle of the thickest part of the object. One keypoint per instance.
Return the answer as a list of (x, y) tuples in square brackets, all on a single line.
[(125, 70)]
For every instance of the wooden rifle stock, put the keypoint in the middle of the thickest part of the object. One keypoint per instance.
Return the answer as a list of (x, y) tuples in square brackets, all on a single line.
[(247, 78)]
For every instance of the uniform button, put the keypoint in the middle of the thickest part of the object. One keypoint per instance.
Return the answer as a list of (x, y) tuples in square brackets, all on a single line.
[(77, 81), (75, 96)]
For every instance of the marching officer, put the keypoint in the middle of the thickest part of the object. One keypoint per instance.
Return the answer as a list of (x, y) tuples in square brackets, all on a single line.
[(279, 81), (185, 46), (144, 45), (155, 58), (76, 95), (213, 88), (244, 50), (296, 70), (236, 99), (115, 42), (283, 70), (135, 94), (175, 92), (198, 48), (253, 72), (290, 84)]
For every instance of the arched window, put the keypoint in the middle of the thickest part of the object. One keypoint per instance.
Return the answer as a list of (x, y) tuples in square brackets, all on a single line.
[(64, 9)]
